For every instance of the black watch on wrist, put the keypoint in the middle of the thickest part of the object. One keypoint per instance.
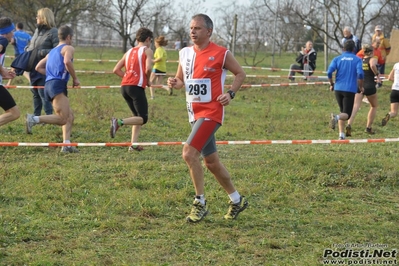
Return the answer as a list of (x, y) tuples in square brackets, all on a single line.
[(232, 94)]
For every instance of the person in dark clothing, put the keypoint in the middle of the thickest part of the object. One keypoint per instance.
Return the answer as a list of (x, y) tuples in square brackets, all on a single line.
[(307, 62), (371, 78), (44, 39)]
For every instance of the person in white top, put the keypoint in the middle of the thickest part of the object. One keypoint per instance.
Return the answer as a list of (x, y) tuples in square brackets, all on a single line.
[(394, 97)]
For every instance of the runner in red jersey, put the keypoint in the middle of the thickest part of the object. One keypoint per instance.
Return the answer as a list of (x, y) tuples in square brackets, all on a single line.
[(137, 63), (202, 72), (204, 75)]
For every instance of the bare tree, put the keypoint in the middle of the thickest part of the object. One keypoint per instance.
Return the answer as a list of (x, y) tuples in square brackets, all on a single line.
[(178, 21), (358, 15), (389, 17), (251, 34), (287, 28), (279, 23), (124, 17), (120, 16), (65, 12), (225, 30)]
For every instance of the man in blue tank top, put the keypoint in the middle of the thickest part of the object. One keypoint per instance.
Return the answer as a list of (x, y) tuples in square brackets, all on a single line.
[(348, 79), (58, 67)]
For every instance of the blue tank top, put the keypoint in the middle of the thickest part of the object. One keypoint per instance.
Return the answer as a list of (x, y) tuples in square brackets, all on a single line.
[(55, 67)]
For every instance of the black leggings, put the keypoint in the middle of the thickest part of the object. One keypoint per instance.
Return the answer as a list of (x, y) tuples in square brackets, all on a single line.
[(6, 100), (136, 100), (345, 101)]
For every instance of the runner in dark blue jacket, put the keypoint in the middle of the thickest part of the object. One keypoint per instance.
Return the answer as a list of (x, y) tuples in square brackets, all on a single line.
[(348, 79)]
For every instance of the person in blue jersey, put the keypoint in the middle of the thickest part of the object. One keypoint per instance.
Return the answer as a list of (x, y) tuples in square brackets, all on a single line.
[(349, 78), (20, 41), (58, 68)]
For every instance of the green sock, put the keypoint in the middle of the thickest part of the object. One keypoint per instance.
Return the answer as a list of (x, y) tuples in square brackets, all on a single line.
[(120, 122)]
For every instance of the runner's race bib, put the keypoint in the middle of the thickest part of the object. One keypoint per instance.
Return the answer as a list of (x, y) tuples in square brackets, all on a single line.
[(198, 90)]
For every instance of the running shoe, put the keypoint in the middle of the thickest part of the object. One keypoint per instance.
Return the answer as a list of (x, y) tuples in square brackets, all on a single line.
[(341, 138), (348, 131), (29, 123), (333, 121), (70, 149), (369, 130), (114, 127), (137, 148), (385, 120), (198, 212), (235, 209)]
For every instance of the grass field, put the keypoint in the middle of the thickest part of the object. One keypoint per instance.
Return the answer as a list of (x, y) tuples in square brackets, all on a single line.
[(106, 206)]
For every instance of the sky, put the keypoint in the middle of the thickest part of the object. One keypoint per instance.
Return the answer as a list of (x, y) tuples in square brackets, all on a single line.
[(213, 4)]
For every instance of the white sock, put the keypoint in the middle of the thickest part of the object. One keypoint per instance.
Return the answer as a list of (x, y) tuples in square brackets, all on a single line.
[(337, 117), (200, 198), (235, 197), (36, 119), (67, 141), (342, 134)]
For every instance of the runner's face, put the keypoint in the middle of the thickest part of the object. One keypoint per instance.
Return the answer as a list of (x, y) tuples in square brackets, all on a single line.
[(70, 39), (198, 31)]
